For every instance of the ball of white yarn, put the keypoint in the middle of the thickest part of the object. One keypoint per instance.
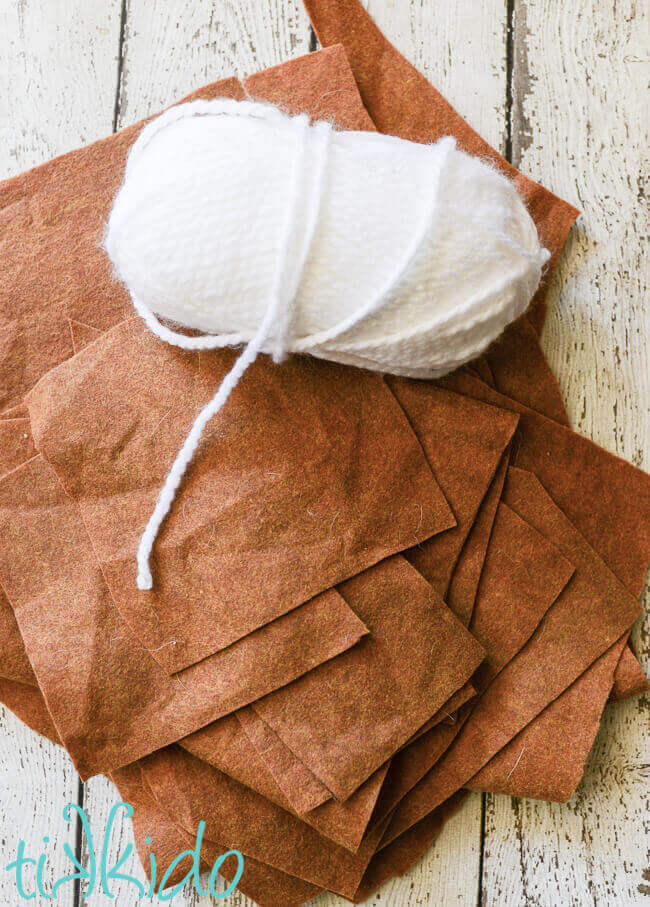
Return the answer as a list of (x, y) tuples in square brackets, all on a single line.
[(436, 246), (258, 228)]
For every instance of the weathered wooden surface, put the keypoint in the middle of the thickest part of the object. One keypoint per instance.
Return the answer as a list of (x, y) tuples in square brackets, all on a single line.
[(557, 88), (578, 126)]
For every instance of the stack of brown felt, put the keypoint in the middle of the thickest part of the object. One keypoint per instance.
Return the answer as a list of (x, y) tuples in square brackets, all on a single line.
[(372, 594)]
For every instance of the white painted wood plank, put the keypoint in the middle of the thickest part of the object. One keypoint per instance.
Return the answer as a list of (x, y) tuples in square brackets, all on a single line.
[(461, 48), (100, 796), (582, 80), (58, 69), (448, 874), (37, 780), (579, 128), (172, 47)]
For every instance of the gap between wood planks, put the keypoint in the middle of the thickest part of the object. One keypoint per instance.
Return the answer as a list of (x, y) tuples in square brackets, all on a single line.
[(514, 82), (78, 849), (120, 66)]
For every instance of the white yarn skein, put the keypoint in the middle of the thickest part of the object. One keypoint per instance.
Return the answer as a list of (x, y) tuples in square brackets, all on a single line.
[(257, 228)]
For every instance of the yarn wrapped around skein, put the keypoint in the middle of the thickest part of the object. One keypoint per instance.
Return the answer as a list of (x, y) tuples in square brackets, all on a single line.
[(260, 229)]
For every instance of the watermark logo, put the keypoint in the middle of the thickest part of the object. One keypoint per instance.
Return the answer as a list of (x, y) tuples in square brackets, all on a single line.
[(100, 874)]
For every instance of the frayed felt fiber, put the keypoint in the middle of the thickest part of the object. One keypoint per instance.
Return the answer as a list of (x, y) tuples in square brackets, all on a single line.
[(259, 228)]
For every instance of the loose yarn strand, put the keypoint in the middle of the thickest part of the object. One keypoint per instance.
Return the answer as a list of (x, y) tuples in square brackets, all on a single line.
[(184, 341), (184, 457), (187, 451), (200, 108), (284, 337)]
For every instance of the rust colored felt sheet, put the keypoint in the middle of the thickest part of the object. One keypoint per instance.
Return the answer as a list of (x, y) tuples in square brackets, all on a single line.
[(321, 84), (16, 447), (16, 444), (464, 471), (343, 822), (111, 702), (238, 817), (293, 489), (629, 676), (57, 282), (411, 764), (464, 445), (519, 369), (536, 775), (523, 373), (14, 663), (546, 760), (614, 512), (15, 412), (155, 831), (523, 576), (439, 419), (449, 709), (301, 787), (481, 369), (594, 611), (345, 721), (607, 499), (402, 853), (226, 746), (294, 778), (463, 587)]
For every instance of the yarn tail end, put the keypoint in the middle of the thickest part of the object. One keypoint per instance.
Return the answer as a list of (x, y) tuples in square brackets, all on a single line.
[(145, 581)]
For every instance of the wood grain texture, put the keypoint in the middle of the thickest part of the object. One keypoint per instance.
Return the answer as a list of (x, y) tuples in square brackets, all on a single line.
[(100, 796), (37, 780), (461, 48), (562, 93), (579, 127), (172, 47), (58, 69)]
